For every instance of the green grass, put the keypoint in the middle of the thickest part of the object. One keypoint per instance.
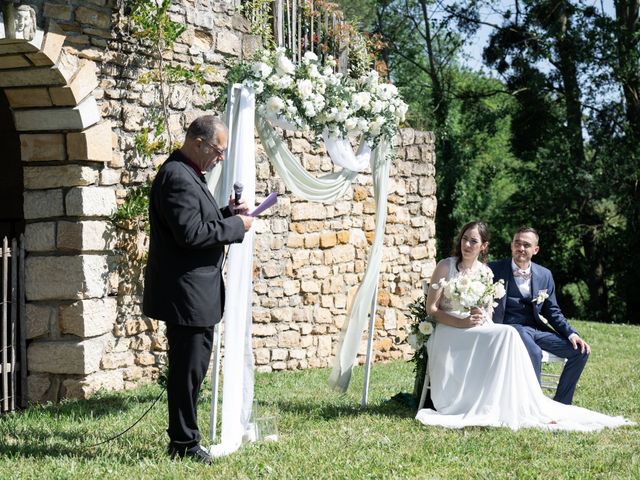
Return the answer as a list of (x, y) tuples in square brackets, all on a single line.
[(325, 435)]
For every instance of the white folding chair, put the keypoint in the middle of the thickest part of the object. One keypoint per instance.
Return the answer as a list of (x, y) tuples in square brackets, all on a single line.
[(548, 380)]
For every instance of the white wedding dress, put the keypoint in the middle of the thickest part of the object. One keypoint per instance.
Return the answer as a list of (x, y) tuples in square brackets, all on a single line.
[(483, 376)]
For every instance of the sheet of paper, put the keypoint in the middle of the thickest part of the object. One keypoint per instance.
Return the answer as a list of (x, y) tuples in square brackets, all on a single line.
[(266, 203)]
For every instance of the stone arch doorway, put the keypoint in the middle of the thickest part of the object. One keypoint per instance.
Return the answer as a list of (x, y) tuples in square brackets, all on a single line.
[(62, 145), (11, 185)]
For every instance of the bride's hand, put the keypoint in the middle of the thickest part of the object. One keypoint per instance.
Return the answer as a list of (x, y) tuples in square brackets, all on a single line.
[(476, 317)]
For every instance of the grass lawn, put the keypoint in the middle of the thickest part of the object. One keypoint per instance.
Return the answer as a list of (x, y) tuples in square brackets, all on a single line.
[(325, 435)]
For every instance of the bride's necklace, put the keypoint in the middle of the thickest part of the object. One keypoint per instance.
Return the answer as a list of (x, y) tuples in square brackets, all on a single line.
[(464, 269)]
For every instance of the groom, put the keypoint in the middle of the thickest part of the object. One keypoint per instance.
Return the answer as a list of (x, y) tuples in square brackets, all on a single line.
[(530, 306)]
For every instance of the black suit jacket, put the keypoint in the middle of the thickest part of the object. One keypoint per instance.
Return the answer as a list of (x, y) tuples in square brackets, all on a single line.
[(541, 280), (183, 278)]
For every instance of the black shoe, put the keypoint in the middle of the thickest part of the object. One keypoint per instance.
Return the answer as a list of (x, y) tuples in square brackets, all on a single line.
[(195, 453)]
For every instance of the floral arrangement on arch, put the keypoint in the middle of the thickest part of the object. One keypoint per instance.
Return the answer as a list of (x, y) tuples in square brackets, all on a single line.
[(312, 96)]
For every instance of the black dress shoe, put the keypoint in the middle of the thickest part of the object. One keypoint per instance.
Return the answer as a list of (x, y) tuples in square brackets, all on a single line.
[(195, 453)]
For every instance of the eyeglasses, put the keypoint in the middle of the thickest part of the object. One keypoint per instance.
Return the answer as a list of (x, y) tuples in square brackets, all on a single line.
[(218, 153)]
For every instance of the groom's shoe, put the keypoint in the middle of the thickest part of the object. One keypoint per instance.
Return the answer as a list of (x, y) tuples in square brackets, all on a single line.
[(195, 453)]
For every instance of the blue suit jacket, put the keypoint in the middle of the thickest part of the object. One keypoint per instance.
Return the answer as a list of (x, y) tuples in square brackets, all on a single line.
[(541, 279)]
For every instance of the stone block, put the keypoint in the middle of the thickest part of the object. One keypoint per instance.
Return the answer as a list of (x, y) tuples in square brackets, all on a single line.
[(59, 12), (308, 211), (38, 385), (84, 388), (43, 204), (40, 237), (51, 47), (40, 319), (324, 345), (68, 277), (13, 61), (93, 144), (90, 201), (88, 318), (40, 178), (229, 42), (112, 361), (28, 97), (81, 85), (42, 147), (77, 118), (328, 239), (32, 77), (262, 356), (66, 356), (94, 17), (89, 235)]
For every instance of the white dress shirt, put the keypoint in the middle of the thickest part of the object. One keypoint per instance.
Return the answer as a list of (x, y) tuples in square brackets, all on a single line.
[(524, 284)]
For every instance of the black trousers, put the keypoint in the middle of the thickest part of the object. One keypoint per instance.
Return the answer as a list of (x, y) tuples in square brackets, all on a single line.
[(189, 355)]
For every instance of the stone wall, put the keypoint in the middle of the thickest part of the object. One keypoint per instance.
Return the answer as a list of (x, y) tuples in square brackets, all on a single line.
[(85, 326)]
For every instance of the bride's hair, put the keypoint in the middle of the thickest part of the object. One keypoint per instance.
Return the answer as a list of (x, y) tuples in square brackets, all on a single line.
[(483, 230)]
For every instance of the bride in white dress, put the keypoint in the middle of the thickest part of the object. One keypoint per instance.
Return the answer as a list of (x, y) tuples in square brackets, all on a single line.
[(480, 372)]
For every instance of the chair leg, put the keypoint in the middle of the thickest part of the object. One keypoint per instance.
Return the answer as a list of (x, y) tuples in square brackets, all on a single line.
[(425, 387)]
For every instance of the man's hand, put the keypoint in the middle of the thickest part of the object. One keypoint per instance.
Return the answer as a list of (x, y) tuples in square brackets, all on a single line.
[(238, 209), (576, 341), (247, 221)]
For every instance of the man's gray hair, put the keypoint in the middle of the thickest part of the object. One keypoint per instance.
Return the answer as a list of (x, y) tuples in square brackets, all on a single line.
[(206, 128)]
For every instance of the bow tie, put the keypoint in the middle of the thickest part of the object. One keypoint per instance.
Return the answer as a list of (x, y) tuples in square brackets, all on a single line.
[(522, 274)]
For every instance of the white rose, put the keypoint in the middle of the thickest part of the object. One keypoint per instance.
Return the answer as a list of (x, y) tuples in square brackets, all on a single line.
[(305, 88), (309, 108), (258, 86), (285, 82), (377, 106), (309, 56), (261, 69), (376, 126), (499, 290), (402, 111), (387, 90), (284, 66), (313, 71), (361, 100), (425, 328), (274, 105), (351, 124)]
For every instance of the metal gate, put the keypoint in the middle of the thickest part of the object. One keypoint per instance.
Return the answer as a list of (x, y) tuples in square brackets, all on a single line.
[(13, 353)]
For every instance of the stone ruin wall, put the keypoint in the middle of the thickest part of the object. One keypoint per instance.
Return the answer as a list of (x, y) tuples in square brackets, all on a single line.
[(309, 258)]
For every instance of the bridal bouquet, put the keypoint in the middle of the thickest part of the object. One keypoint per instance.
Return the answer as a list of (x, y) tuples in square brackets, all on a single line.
[(418, 332), (472, 289)]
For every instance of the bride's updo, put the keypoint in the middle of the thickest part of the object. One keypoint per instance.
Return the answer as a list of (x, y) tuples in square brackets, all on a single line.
[(483, 230)]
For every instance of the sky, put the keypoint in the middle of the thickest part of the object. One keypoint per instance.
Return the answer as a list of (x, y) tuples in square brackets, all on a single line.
[(475, 45)]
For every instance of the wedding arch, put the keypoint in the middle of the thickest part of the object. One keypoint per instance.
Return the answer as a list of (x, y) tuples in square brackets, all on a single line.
[(276, 93)]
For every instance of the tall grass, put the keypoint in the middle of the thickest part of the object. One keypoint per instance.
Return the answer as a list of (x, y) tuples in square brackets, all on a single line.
[(325, 435)]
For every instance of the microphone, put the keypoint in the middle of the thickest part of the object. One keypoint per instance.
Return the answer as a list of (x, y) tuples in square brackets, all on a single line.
[(237, 190)]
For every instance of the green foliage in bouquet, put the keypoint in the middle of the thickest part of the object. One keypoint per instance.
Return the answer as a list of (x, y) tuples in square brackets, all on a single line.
[(418, 332)]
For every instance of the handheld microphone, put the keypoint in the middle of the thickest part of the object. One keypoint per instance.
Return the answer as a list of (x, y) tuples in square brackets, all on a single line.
[(237, 190)]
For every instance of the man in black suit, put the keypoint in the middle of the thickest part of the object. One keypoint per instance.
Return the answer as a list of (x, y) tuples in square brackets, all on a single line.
[(183, 278), (530, 306)]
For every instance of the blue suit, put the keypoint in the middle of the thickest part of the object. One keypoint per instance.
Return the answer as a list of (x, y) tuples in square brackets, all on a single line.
[(540, 323)]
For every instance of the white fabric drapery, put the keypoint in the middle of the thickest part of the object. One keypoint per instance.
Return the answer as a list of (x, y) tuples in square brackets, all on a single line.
[(237, 396), (329, 188), (239, 166)]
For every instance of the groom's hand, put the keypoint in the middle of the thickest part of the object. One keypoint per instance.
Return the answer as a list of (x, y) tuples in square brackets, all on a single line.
[(576, 341)]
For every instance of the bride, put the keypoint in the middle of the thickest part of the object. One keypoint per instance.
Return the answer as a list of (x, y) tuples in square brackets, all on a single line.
[(480, 372)]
